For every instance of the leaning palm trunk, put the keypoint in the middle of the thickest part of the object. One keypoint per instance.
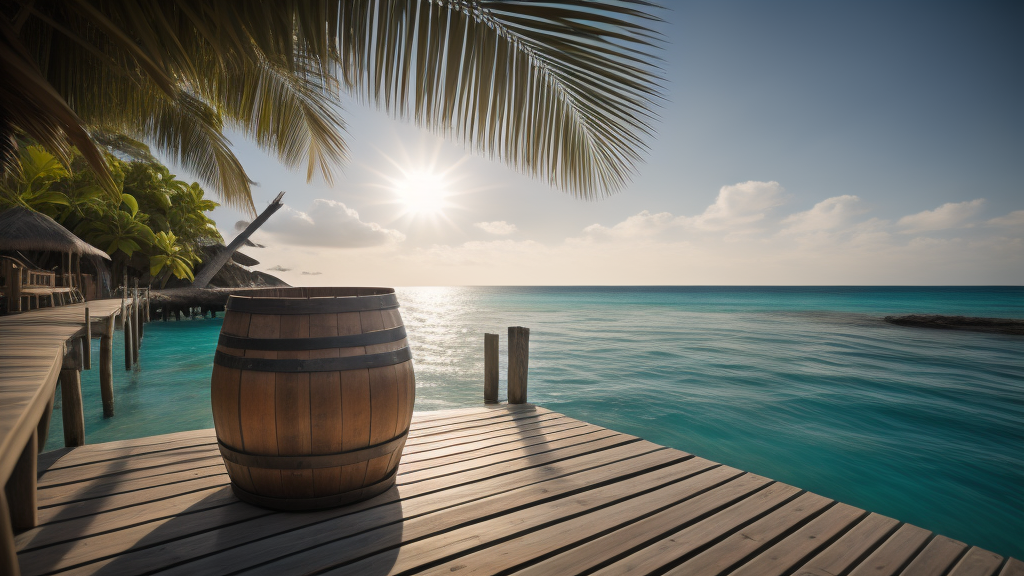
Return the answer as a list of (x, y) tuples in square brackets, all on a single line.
[(562, 90), (214, 265)]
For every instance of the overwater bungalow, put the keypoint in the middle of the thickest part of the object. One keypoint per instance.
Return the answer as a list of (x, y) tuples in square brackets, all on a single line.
[(41, 263)]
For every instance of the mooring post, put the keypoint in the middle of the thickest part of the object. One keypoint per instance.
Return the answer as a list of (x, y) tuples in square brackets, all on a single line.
[(490, 368), (87, 348), (136, 324), (21, 487), (107, 367), (128, 338), (121, 319), (518, 363), (71, 397)]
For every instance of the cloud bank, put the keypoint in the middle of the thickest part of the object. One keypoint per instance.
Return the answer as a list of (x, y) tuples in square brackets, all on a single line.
[(328, 224), (747, 236), (500, 227)]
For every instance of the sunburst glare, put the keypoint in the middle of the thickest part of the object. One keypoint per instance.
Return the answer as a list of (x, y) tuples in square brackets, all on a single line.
[(421, 193)]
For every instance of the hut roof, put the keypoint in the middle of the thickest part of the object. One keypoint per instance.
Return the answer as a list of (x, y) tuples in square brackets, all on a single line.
[(24, 229), (244, 260), (211, 248)]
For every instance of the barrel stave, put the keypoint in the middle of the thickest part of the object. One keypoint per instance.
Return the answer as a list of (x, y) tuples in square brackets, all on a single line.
[(383, 404)]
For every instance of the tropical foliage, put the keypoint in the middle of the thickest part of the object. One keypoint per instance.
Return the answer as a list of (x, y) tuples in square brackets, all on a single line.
[(562, 89), (153, 214)]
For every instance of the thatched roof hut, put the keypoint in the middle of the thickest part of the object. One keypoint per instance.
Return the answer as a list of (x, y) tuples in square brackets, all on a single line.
[(24, 229), (243, 259)]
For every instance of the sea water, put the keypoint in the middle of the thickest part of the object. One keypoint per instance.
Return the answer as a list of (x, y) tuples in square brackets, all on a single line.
[(808, 386)]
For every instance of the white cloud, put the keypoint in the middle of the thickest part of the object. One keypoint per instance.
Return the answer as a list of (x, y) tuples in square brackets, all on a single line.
[(739, 205), (950, 215), (644, 224), (1013, 219), (829, 214), (735, 208), (499, 227), (328, 224), (279, 268)]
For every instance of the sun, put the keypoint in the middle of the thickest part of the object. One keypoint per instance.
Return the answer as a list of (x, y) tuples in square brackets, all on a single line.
[(421, 193)]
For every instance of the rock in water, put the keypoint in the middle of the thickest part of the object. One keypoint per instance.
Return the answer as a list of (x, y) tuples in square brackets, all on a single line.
[(993, 325)]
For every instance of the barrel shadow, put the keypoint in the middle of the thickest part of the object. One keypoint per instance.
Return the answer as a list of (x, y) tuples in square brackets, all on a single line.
[(292, 547)]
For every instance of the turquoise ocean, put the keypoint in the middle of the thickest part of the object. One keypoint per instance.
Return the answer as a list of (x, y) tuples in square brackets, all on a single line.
[(806, 385)]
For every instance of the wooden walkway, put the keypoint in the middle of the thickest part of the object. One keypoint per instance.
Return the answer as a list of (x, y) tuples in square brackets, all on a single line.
[(493, 490), (32, 348)]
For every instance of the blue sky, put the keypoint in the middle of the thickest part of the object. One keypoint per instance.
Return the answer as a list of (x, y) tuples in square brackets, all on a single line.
[(802, 143)]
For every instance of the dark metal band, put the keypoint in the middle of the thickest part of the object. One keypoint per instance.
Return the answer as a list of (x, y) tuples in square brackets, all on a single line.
[(295, 504), (314, 364), (310, 461), (311, 305), (296, 344)]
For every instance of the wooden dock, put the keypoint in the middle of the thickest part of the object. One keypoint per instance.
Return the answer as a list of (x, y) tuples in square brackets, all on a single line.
[(38, 348), (493, 490)]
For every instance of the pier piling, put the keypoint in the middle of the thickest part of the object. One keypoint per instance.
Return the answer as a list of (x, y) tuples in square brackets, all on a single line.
[(518, 363), (129, 340), (136, 325), (87, 348), (490, 368), (107, 368), (72, 411)]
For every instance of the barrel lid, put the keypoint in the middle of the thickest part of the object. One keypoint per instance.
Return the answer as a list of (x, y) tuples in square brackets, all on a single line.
[(372, 299)]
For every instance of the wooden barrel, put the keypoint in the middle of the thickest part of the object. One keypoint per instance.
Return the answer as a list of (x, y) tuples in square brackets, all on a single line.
[(312, 392)]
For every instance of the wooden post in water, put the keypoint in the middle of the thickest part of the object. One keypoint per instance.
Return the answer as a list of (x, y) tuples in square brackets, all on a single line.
[(136, 324), (21, 487), (121, 318), (107, 367), (87, 348), (71, 397), (490, 368), (518, 363), (129, 340)]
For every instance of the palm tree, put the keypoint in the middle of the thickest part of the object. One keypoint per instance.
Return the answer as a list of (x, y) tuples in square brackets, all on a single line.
[(564, 90)]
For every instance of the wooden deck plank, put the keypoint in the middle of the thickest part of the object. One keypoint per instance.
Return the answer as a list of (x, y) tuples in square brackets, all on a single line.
[(782, 557), (752, 538), (731, 486), (1013, 567), (246, 544), (692, 538), (977, 562), (109, 486), (449, 455), (850, 548), (936, 558), (482, 491), (890, 557)]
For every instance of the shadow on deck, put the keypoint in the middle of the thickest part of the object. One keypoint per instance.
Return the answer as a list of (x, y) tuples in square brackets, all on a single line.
[(506, 489)]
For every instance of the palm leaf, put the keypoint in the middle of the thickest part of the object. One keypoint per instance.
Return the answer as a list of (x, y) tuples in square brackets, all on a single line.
[(562, 90)]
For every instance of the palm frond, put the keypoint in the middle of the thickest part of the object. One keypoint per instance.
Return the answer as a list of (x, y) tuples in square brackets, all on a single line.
[(564, 90)]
